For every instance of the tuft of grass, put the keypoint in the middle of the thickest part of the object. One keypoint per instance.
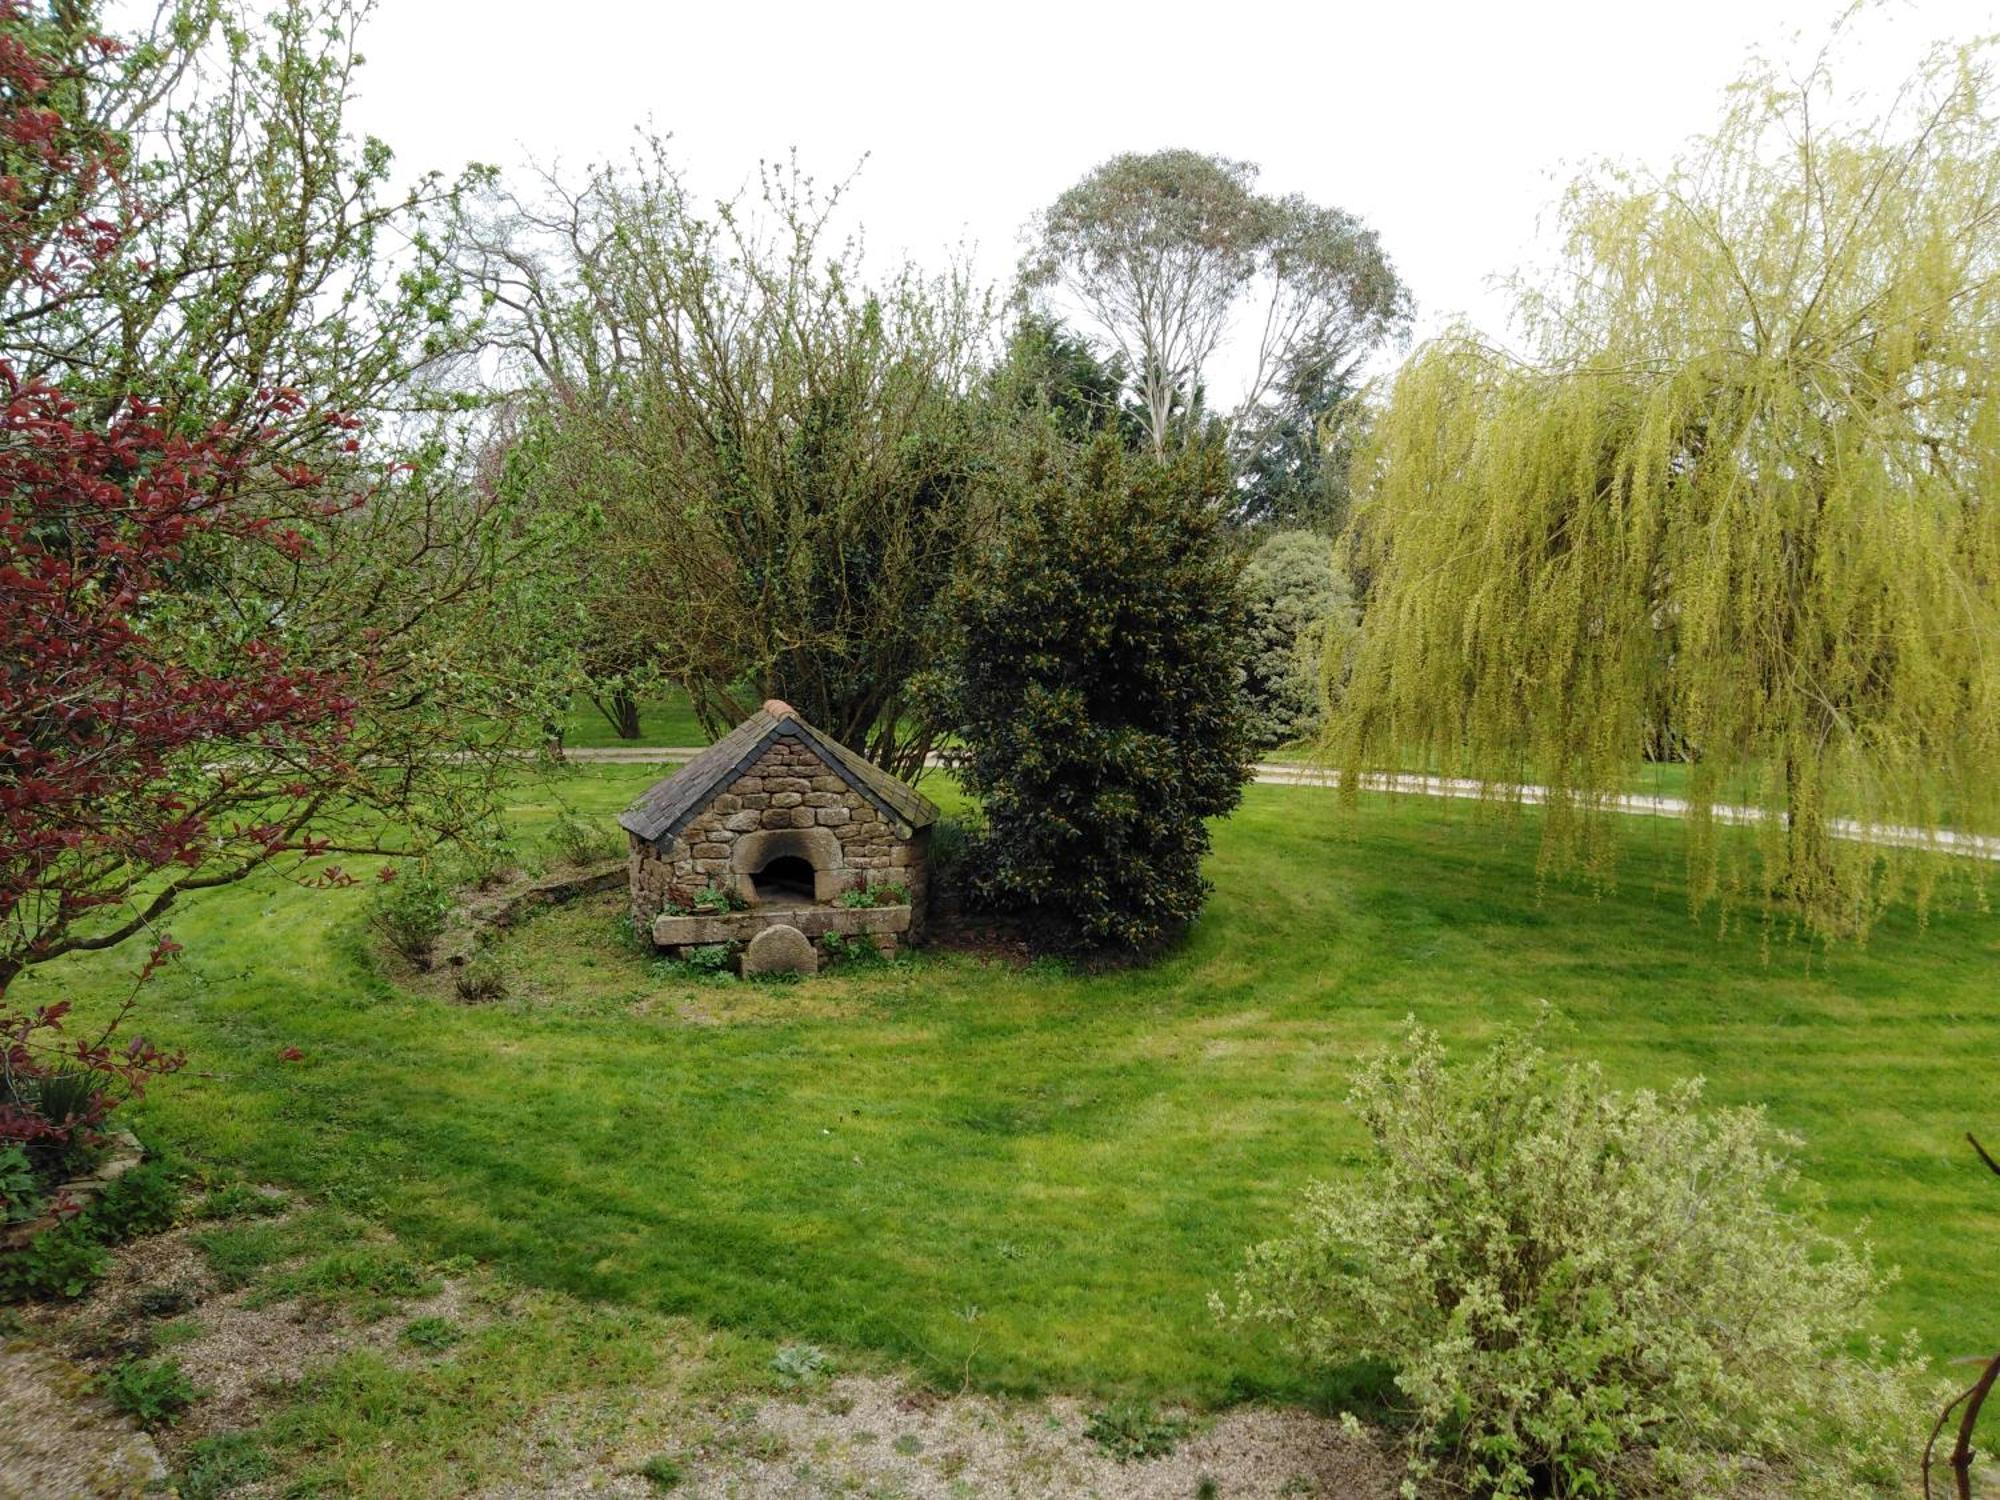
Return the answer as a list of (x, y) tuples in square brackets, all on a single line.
[(236, 1256), (222, 1464), (1129, 1430), (432, 1333), (367, 1281), (662, 1472), (239, 1200), (153, 1392)]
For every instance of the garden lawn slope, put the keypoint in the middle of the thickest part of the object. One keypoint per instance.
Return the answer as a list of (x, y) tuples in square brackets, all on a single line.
[(1033, 1179)]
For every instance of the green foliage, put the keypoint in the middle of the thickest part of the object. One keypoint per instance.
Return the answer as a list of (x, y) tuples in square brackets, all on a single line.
[(1162, 249), (142, 1201), (710, 958), (21, 1193), (717, 899), (771, 449), (1297, 605), (579, 841), (862, 897), (1053, 373), (410, 911), (1294, 453), (1097, 696), (663, 1472), (1587, 1293), (223, 1463), (239, 1200), (1129, 1430), (59, 1264), (634, 936), (797, 1365), (432, 1333), (950, 841), (1735, 509), (235, 1255), (66, 1096), (153, 1392), (366, 1279), (839, 948), (480, 859), (479, 981)]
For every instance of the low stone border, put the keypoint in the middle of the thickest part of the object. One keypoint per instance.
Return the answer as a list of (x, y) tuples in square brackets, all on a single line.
[(123, 1152), (496, 911)]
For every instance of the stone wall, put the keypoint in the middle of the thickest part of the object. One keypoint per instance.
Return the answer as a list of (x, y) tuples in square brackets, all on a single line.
[(788, 787)]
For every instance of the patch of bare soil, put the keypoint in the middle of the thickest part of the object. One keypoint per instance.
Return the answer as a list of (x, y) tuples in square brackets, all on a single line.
[(845, 1436), (242, 1358), (878, 1436)]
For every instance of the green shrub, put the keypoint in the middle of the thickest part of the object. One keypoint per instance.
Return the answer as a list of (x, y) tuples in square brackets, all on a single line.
[(66, 1097), (21, 1195), (143, 1201), (856, 898), (1133, 1429), (577, 841), (710, 958), (410, 911), (1298, 605), (59, 1264), (1587, 1293), (482, 861), (634, 936), (838, 948), (950, 841), (1097, 692), (153, 1392)]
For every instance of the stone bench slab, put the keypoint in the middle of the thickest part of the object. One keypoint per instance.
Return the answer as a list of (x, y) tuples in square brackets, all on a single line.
[(703, 928)]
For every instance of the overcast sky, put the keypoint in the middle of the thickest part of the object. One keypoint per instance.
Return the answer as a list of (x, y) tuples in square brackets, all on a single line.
[(1449, 127)]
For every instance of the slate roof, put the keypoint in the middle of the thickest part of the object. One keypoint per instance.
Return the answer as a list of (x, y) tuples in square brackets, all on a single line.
[(669, 805)]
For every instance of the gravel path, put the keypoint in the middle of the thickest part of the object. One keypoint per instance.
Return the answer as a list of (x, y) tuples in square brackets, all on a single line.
[(1636, 804), (59, 1442)]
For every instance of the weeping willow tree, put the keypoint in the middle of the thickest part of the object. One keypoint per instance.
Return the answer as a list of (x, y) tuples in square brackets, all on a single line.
[(1738, 507)]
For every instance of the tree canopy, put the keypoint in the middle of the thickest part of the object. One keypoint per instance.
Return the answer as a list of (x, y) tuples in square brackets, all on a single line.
[(780, 451), (1738, 502), (1162, 251)]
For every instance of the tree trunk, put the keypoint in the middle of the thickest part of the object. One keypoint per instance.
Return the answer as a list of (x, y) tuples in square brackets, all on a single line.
[(1808, 878), (621, 711)]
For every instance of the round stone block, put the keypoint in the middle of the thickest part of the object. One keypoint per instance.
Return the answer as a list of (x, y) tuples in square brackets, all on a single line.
[(780, 950)]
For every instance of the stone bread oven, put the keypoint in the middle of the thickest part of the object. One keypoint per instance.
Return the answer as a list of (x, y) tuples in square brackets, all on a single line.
[(784, 820)]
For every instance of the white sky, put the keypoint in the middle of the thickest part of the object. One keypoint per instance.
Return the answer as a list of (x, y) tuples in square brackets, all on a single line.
[(1447, 126)]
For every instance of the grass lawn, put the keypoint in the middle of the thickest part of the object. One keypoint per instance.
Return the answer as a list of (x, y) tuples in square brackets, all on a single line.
[(665, 720), (1031, 1180)]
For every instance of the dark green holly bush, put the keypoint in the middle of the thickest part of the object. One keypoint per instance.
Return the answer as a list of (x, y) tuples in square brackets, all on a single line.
[(1097, 694)]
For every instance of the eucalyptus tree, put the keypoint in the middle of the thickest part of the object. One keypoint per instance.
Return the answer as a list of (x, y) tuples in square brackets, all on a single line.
[(1743, 488), (778, 453), (1164, 252)]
